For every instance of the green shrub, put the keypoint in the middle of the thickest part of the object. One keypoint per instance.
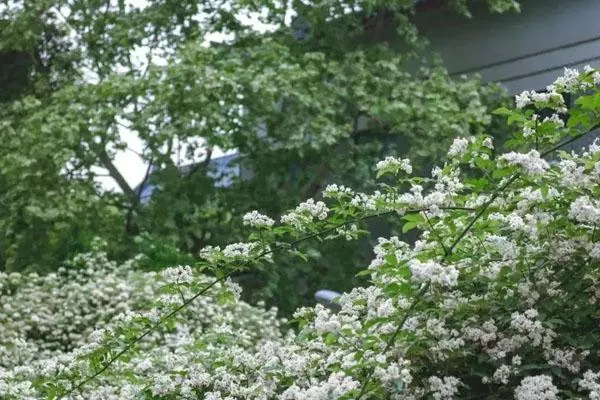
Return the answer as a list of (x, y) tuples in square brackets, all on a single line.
[(497, 299)]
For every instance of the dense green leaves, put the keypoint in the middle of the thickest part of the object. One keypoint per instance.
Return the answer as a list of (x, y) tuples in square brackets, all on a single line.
[(302, 111)]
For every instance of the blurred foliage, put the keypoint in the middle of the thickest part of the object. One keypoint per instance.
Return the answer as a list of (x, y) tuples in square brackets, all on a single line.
[(315, 99)]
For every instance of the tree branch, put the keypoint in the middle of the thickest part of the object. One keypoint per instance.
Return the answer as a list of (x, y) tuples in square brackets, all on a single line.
[(117, 176), (317, 182), (203, 164), (129, 225)]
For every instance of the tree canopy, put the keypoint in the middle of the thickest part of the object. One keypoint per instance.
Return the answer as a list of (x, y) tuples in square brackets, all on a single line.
[(301, 110)]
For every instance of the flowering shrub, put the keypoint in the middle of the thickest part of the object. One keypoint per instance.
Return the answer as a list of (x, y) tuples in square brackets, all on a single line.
[(497, 299), (47, 322)]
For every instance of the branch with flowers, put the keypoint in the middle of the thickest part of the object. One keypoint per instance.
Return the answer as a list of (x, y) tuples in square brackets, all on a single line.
[(496, 299)]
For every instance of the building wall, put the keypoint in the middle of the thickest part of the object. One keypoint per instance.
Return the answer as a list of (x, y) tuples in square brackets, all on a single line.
[(521, 51), (524, 51)]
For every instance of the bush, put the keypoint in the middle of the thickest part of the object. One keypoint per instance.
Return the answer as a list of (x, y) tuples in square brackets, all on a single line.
[(48, 321), (497, 298)]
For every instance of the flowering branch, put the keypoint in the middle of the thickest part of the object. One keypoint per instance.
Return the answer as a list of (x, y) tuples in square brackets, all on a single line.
[(392, 339), (448, 251), (187, 302)]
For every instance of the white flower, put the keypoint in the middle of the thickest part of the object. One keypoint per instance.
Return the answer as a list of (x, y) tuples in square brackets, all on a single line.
[(181, 274), (143, 366), (423, 271), (393, 164), (506, 248), (594, 147), (546, 97), (522, 100), (443, 388), (325, 321), (502, 374), (536, 388), (336, 191), (591, 382), (556, 120), (386, 308), (393, 373), (163, 385), (528, 131), (233, 287), (317, 210), (240, 250), (459, 147), (257, 220), (595, 74), (585, 210), (573, 175), (529, 97), (567, 82), (364, 201), (487, 142), (305, 213), (595, 251), (336, 386), (210, 253), (530, 162)]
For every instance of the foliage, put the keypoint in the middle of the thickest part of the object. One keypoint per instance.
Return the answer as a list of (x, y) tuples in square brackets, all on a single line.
[(54, 317), (497, 298), (302, 112)]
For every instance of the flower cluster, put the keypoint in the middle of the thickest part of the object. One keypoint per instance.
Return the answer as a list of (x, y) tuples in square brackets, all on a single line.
[(305, 214), (177, 274), (336, 191), (257, 220), (531, 97), (394, 165), (531, 162), (496, 295), (50, 323)]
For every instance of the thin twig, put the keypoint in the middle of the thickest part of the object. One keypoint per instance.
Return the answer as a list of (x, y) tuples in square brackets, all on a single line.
[(483, 209), (571, 140), (435, 232)]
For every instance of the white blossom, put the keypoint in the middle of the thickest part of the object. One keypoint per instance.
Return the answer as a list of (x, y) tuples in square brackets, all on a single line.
[(336, 191), (181, 274), (443, 388), (567, 82), (257, 220), (584, 210), (591, 382), (394, 165), (305, 213), (446, 275), (538, 387), (531, 162), (556, 120), (240, 250), (459, 147)]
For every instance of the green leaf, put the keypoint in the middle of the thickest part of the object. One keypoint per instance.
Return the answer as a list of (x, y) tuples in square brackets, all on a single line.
[(502, 111), (407, 227)]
